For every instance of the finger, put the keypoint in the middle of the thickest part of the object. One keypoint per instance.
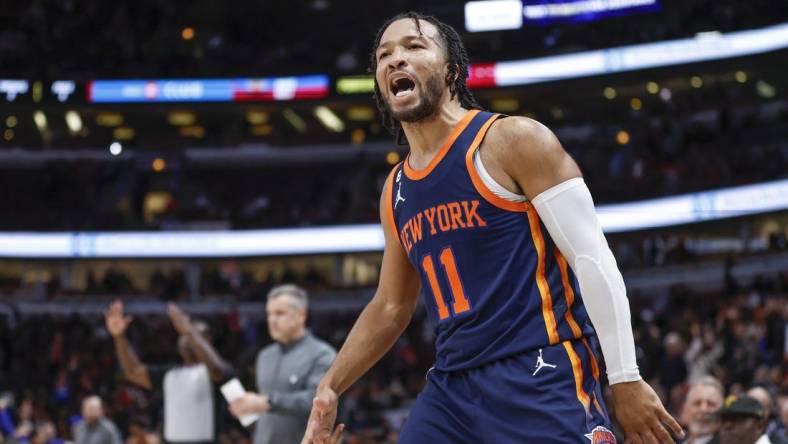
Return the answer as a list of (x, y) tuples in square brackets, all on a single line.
[(337, 434), (319, 432), (672, 424), (325, 436), (661, 434)]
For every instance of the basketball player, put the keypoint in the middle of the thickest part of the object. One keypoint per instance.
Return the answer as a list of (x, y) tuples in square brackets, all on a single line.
[(493, 218)]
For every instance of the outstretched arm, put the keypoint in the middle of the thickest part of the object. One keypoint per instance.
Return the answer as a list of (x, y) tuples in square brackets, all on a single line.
[(383, 320), (550, 178), (377, 328), (218, 368), (134, 369)]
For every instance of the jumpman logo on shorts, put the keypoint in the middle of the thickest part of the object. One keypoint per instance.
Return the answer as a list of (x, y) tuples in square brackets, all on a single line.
[(540, 364), (399, 196)]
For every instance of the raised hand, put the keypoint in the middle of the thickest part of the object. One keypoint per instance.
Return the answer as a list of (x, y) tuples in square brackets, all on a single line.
[(114, 319), (180, 320)]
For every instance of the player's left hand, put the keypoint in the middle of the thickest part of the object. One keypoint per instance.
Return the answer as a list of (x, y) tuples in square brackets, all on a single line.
[(641, 414), (322, 418)]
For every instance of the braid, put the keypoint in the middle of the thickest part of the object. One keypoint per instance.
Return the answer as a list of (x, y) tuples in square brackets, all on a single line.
[(456, 79)]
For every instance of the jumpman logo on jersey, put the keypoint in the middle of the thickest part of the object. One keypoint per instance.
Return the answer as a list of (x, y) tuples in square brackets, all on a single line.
[(540, 364), (399, 196)]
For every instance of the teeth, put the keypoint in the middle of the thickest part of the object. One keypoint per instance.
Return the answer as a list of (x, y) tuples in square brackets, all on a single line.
[(402, 92)]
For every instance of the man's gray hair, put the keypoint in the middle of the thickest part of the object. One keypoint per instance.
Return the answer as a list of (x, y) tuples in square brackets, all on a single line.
[(709, 381), (297, 293)]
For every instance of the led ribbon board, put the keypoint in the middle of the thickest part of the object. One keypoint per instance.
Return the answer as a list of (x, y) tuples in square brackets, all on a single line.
[(629, 58), (555, 11), (675, 210), (208, 90), (499, 15)]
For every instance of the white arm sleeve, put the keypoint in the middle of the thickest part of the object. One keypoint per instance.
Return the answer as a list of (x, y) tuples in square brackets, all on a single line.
[(567, 211)]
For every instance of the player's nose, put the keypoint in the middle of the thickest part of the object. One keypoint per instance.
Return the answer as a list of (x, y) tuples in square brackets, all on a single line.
[(397, 58)]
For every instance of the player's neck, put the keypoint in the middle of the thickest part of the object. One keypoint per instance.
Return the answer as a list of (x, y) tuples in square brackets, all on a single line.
[(426, 137)]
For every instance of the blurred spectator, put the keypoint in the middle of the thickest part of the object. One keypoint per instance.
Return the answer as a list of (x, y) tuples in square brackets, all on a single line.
[(672, 368), (192, 405), (703, 352), (139, 432), (703, 400), (24, 428), (287, 372), (741, 422), (95, 428), (774, 432), (46, 434)]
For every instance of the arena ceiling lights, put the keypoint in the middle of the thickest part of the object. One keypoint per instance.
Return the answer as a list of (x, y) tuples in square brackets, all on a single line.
[(653, 213), (704, 47)]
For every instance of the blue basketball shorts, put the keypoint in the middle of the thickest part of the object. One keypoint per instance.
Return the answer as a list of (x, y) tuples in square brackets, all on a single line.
[(551, 395)]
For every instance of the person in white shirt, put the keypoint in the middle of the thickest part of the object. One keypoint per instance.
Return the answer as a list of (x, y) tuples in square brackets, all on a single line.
[(191, 401)]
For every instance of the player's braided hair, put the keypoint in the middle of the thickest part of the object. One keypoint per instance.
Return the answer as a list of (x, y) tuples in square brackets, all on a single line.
[(456, 57)]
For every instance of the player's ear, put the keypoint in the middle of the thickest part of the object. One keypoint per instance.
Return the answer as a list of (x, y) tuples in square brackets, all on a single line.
[(452, 72)]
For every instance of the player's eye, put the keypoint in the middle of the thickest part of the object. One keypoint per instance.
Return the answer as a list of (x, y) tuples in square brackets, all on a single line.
[(382, 55)]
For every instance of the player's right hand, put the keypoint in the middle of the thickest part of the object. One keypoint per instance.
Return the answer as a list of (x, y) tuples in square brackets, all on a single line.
[(115, 320), (320, 428), (642, 416)]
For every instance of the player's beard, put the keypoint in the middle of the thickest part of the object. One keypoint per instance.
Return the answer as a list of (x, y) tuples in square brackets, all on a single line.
[(429, 99)]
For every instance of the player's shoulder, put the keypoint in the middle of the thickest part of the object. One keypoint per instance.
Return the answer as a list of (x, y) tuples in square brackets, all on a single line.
[(390, 177), (388, 183), (521, 136)]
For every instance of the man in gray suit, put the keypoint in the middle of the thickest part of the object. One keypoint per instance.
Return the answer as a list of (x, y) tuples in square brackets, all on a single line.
[(288, 371), (95, 428)]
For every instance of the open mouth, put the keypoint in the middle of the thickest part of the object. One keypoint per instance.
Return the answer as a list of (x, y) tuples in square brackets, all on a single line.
[(402, 86)]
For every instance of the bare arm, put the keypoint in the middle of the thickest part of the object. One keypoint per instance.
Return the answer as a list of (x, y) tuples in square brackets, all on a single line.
[(134, 370), (384, 318), (375, 331), (218, 368), (528, 153)]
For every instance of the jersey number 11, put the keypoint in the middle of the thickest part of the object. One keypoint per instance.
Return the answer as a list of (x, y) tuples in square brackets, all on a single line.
[(461, 304)]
